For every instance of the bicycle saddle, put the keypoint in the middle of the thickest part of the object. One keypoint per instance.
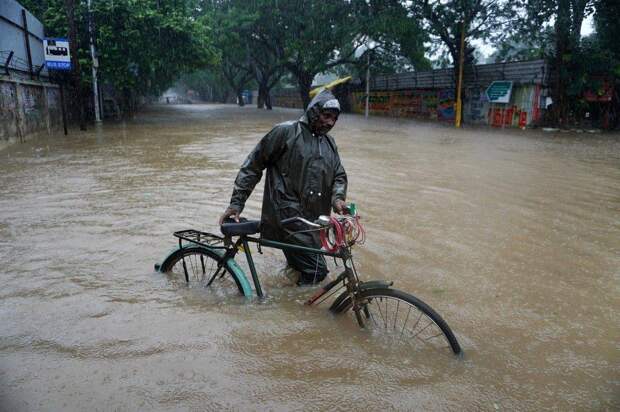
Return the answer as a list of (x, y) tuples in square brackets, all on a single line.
[(244, 227)]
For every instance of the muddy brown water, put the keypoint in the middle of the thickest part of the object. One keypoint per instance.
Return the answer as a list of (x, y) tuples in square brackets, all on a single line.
[(514, 237)]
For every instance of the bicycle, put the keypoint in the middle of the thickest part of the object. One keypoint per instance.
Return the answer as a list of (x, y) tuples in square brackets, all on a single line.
[(209, 259)]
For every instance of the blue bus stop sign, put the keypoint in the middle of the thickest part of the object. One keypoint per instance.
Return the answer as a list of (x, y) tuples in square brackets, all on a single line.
[(57, 56)]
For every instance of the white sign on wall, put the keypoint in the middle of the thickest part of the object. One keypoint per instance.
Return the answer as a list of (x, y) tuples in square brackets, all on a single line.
[(57, 56)]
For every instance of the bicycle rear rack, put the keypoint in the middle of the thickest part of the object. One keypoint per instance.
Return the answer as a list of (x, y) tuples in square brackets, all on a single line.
[(204, 239)]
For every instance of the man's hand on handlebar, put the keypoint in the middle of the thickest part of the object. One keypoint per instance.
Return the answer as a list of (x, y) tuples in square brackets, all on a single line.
[(230, 213), (340, 207)]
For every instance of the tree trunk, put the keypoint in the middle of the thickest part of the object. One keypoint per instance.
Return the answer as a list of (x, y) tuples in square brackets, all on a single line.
[(75, 63), (268, 101), (240, 101), (260, 100), (562, 50), (304, 80), (127, 105)]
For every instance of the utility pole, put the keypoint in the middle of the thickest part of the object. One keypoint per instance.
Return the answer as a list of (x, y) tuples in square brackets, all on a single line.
[(95, 64), (459, 103), (367, 84)]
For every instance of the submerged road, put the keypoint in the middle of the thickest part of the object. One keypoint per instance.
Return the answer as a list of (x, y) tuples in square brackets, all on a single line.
[(513, 237)]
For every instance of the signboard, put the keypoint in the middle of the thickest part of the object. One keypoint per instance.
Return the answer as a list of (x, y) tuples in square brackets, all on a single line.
[(57, 55), (603, 93), (499, 91)]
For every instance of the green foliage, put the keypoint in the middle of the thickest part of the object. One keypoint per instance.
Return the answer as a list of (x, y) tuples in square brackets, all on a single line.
[(208, 83), (143, 45), (537, 44), (608, 33), (444, 19)]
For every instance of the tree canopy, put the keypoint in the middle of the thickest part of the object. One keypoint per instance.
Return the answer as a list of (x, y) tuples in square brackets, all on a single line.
[(144, 46)]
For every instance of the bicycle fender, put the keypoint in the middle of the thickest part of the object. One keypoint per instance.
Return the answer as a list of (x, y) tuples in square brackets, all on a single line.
[(243, 279), (231, 264), (376, 284), (341, 301), (158, 266)]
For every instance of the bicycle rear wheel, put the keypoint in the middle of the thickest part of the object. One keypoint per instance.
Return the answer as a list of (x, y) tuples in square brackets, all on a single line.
[(402, 318), (198, 266)]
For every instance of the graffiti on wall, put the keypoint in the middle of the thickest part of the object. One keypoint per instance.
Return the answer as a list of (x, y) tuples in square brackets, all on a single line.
[(8, 111), (445, 104), (475, 101), (522, 110), (33, 108), (429, 103), (27, 110)]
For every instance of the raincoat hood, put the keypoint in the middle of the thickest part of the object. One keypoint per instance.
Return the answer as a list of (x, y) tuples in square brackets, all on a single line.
[(323, 100)]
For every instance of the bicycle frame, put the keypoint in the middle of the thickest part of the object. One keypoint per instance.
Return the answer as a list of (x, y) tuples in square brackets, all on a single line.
[(243, 241), (359, 296)]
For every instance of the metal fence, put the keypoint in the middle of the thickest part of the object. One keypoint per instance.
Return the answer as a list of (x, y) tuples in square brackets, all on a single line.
[(525, 72), (21, 42)]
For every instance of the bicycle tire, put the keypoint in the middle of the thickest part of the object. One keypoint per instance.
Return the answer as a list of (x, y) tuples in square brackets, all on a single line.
[(198, 266), (427, 326)]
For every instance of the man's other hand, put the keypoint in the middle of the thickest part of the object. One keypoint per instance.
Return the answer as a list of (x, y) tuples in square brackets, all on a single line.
[(340, 206), (230, 212)]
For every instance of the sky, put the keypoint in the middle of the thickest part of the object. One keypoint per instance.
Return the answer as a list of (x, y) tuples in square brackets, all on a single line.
[(587, 28)]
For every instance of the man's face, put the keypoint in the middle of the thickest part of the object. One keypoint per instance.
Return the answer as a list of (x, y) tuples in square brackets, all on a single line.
[(325, 121)]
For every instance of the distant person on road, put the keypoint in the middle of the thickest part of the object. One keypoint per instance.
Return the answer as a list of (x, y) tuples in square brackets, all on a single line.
[(305, 178)]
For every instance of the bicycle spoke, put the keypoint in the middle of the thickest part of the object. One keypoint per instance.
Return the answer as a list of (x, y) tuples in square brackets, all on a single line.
[(200, 268), (396, 316), (387, 315), (213, 277), (380, 312), (423, 329), (406, 320), (394, 319)]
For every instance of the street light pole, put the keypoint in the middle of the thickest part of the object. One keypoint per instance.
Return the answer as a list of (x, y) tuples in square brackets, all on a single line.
[(95, 65)]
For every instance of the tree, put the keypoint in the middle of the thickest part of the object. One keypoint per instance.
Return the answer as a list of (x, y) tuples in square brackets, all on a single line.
[(446, 19), (568, 16), (209, 83), (143, 46), (239, 27), (608, 30), (525, 45), (308, 37)]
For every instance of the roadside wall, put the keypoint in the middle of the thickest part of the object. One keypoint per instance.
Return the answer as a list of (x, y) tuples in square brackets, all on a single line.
[(29, 103), (431, 95), (422, 103), (524, 108), (286, 98), (28, 109)]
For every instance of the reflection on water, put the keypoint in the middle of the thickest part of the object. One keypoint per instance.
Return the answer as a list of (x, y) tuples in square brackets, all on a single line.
[(513, 237)]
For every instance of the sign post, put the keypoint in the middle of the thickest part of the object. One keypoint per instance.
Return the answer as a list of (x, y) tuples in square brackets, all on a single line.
[(58, 59), (499, 91), (57, 56)]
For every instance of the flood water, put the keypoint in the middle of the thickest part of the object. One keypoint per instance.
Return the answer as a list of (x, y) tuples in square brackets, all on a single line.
[(512, 236)]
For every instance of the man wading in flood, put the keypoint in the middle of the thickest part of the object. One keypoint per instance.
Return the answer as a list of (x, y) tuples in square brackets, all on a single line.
[(304, 178)]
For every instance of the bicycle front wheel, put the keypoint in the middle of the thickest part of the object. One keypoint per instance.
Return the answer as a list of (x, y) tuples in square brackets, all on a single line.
[(198, 266), (404, 319)]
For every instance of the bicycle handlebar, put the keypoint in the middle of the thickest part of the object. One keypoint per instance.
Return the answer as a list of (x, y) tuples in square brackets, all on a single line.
[(321, 222), (301, 219)]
